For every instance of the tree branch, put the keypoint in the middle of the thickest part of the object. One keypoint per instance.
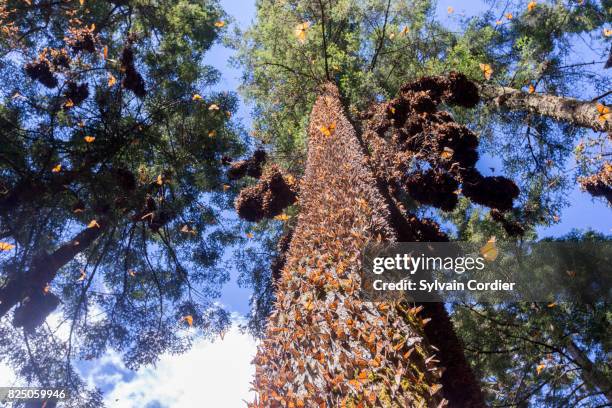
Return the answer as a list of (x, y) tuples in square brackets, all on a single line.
[(573, 111)]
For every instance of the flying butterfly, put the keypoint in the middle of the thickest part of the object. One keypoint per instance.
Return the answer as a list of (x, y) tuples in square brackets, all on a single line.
[(111, 80), (487, 71), (301, 31), (93, 224), (188, 319), (489, 251), (531, 5), (5, 246)]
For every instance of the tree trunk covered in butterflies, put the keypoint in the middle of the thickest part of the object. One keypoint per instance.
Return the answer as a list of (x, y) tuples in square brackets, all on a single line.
[(573, 111), (325, 346)]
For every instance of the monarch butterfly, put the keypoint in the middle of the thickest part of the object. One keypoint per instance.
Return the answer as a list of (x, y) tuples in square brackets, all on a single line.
[(5, 246), (531, 5), (489, 250), (328, 130), (486, 70), (604, 112), (301, 31)]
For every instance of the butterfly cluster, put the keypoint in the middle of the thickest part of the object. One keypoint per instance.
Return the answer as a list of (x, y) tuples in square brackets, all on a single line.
[(82, 39), (600, 183), (132, 79), (251, 167), (423, 152), (49, 62), (266, 199)]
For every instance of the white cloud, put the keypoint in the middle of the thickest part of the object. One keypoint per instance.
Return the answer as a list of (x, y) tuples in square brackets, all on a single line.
[(7, 375), (216, 374), (209, 375)]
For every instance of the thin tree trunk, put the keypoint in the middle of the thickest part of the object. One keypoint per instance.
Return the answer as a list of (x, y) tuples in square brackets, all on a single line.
[(324, 345), (44, 268), (589, 373), (573, 111)]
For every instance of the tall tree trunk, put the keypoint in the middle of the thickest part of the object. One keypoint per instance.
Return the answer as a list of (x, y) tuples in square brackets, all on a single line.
[(44, 268), (325, 346), (573, 111)]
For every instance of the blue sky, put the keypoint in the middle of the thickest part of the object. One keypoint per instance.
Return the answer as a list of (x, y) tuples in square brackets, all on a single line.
[(218, 374)]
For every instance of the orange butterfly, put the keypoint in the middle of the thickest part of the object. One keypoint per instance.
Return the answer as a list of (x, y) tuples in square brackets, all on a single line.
[(93, 224), (328, 130), (301, 31), (489, 250), (5, 246), (604, 112), (188, 319), (486, 70), (531, 5)]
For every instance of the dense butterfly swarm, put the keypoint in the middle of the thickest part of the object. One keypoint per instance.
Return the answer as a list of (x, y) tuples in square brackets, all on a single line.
[(324, 345), (600, 183), (419, 150)]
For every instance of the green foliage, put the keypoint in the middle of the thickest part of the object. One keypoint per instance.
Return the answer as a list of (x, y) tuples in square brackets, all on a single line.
[(541, 354)]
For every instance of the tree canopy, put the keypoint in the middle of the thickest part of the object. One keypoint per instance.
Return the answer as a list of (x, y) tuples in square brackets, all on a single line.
[(111, 183)]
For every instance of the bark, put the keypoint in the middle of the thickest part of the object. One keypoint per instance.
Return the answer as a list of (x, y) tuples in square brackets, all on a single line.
[(44, 269), (324, 345), (573, 111)]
